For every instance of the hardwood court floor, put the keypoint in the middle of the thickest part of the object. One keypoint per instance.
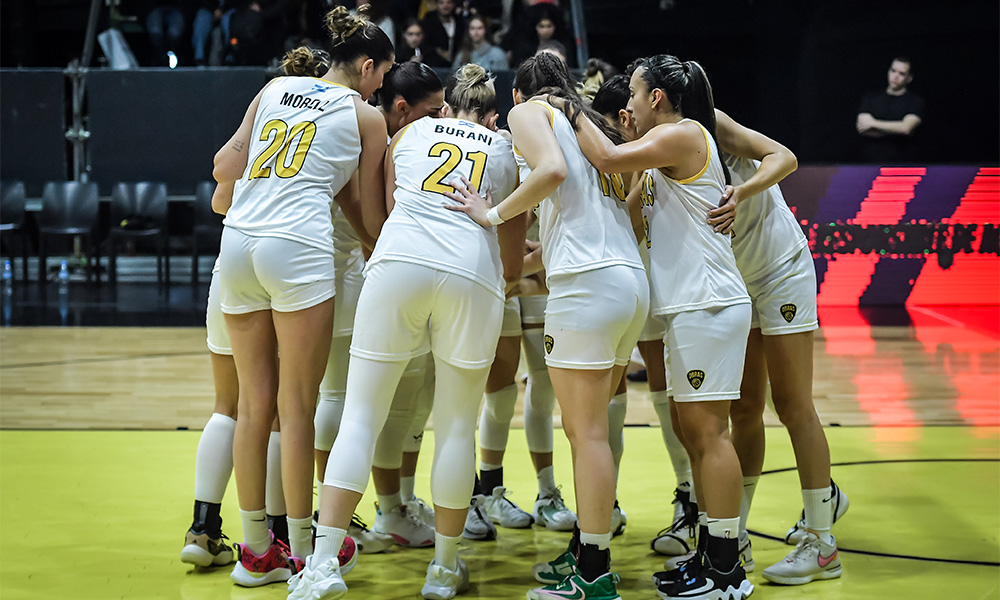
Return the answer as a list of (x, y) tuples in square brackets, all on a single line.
[(101, 514)]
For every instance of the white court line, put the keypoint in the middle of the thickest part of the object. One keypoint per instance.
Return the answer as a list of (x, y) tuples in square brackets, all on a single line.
[(937, 315)]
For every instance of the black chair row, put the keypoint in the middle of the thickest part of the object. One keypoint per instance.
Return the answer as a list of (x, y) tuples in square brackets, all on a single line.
[(138, 211)]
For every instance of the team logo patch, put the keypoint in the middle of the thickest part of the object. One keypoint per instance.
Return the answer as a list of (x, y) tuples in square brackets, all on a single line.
[(788, 312), (549, 342), (696, 378)]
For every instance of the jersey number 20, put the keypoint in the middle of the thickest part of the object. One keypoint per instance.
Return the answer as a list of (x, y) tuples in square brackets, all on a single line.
[(283, 137), (435, 181)]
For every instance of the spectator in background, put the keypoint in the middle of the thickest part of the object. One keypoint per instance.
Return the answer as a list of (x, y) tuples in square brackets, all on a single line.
[(411, 47), (888, 119), (475, 48), (536, 27), (166, 24), (441, 27), (208, 20), (379, 14), (255, 32)]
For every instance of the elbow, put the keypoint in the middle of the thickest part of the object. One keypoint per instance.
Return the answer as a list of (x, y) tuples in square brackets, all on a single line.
[(554, 175)]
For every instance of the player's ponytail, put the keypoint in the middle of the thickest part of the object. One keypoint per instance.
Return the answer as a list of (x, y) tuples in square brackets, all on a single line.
[(687, 89), (470, 90)]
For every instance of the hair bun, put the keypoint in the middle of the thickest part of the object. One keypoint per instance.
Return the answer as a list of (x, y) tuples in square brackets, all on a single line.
[(342, 24), (471, 75), (305, 61)]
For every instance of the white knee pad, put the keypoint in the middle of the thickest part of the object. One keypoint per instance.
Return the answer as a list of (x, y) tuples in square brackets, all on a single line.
[(494, 423), (616, 426), (678, 455), (329, 411), (389, 447)]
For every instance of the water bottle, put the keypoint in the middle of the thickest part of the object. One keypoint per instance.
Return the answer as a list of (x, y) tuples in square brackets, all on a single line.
[(63, 278), (8, 292)]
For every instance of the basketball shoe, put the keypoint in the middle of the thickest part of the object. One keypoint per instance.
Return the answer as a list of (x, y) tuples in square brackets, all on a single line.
[(443, 583), (202, 550), (404, 527), (576, 587), (811, 559), (254, 571), (618, 520), (477, 525), (550, 512), (707, 583), (322, 581), (423, 511), (505, 513)]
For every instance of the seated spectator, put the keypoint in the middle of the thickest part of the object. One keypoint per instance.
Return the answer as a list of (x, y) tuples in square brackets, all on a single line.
[(537, 27), (475, 49), (411, 47), (166, 24), (441, 27), (255, 31)]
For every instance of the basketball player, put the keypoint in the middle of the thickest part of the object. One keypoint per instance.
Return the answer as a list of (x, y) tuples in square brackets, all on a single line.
[(598, 298), (611, 101), (697, 292), (297, 147), (409, 92), (435, 281), (774, 260)]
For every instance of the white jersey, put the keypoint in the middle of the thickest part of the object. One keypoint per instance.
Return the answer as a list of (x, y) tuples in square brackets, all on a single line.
[(584, 224), (766, 233), (428, 156), (347, 253), (304, 147), (691, 266)]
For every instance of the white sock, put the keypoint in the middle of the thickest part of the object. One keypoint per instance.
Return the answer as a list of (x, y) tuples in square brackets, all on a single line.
[(300, 536), (406, 486), (749, 486), (328, 543), (616, 427), (446, 551), (819, 512), (601, 540), (724, 528), (488, 467), (213, 464), (387, 503), (256, 535), (274, 496), (546, 482)]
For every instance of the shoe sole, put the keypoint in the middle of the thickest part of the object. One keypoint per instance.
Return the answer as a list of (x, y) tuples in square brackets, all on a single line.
[(731, 593), (479, 537), (402, 541), (193, 554), (535, 595), (784, 580), (244, 578)]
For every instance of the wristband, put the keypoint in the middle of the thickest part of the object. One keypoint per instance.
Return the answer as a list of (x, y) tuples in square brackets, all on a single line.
[(493, 216)]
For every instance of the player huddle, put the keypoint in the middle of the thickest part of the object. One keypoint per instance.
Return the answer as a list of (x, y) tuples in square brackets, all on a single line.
[(392, 281)]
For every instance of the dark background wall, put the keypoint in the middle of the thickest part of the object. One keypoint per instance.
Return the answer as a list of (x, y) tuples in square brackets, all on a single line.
[(793, 69)]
